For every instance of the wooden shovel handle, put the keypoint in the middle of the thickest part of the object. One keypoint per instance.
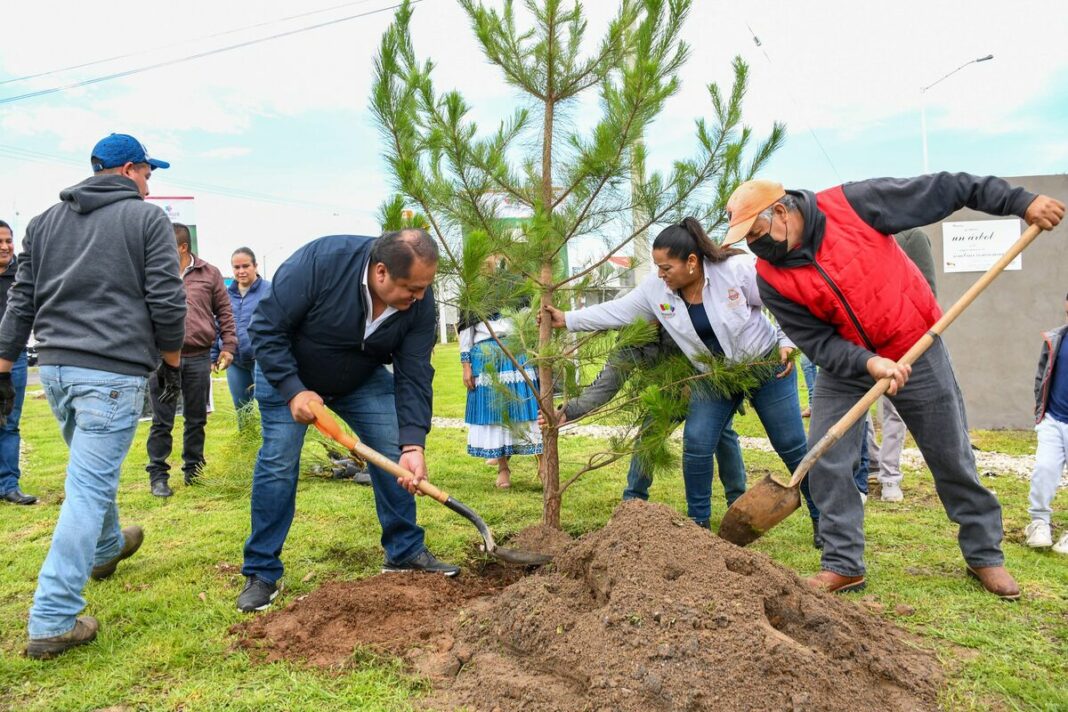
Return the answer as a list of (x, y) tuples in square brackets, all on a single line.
[(859, 410), (333, 430)]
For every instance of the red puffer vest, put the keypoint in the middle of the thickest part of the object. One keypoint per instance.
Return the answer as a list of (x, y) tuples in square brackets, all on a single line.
[(861, 282)]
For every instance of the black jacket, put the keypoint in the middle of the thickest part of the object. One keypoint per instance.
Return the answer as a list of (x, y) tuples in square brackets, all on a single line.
[(307, 332), (889, 205)]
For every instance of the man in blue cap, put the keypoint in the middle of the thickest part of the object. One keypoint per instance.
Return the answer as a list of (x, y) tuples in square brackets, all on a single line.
[(98, 283)]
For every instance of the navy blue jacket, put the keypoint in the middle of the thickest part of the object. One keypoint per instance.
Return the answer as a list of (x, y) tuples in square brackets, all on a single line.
[(307, 332), (243, 307)]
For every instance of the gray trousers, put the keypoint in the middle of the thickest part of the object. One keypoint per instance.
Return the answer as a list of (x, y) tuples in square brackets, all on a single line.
[(885, 460), (932, 408)]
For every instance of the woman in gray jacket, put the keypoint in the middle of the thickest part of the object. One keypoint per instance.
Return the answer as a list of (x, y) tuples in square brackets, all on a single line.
[(705, 297)]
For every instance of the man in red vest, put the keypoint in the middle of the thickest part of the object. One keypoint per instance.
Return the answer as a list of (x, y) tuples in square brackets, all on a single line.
[(831, 272)]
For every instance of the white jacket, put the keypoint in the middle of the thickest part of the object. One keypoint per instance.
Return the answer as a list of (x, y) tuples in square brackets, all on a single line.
[(731, 300)]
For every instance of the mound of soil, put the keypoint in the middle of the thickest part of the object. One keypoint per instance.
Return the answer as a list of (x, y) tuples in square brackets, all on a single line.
[(653, 613), (649, 613)]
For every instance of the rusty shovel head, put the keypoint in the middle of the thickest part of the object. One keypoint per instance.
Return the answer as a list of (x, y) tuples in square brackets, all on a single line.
[(758, 510)]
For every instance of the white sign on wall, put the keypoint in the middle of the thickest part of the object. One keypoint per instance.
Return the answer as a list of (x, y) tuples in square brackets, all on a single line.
[(976, 245)]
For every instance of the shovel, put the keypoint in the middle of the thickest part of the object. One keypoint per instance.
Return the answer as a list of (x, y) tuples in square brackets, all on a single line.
[(770, 502), (330, 428)]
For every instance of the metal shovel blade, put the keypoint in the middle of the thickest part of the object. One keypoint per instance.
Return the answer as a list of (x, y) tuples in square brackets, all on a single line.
[(758, 510), (508, 556)]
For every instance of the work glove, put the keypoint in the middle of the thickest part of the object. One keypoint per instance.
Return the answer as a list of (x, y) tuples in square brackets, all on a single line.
[(7, 397), (169, 382)]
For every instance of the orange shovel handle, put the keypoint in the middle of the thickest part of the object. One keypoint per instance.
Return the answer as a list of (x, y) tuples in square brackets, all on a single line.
[(333, 430)]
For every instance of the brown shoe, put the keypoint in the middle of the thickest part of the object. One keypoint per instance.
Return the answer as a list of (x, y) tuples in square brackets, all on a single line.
[(84, 631), (831, 582), (132, 539), (997, 580)]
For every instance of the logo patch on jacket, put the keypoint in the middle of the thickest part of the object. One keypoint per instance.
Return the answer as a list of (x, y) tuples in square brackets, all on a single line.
[(734, 298), (667, 310)]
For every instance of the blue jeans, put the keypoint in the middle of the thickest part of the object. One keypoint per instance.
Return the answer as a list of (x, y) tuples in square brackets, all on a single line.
[(808, 370), (240, 379), (9, 434), (728, 457), (776, 403), (97, 413), (371, 412)]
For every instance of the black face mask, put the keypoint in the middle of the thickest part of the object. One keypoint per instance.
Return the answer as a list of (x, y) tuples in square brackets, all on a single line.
[(768, 248)]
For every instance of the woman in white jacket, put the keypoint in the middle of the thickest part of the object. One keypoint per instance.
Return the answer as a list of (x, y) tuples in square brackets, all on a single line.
[(706, 298)]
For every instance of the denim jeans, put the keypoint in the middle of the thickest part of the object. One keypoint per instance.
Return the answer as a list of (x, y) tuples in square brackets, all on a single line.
[(371, 412), (777, 405), (196, 383), (933, 410), (240, 379), (9, 433), (97, 413), (728, 457), (808, 370)]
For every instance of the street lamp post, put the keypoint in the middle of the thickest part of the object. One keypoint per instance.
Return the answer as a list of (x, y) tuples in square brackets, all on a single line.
[(923, 103)]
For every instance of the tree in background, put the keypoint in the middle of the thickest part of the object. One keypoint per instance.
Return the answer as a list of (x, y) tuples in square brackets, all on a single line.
[(568, 183)]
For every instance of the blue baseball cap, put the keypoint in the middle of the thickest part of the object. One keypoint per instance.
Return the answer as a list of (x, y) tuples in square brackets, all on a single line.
[(119, 149)]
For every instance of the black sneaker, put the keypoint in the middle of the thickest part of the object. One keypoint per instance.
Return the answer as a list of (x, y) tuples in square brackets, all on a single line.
[(423, 561), (256, 595), (160, 488)]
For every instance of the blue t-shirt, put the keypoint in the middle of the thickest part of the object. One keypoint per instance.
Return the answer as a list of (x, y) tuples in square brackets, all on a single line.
[(703, 327), (1057, 406)]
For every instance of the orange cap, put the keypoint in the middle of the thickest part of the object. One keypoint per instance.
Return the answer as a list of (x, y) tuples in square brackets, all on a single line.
[(747, 202)]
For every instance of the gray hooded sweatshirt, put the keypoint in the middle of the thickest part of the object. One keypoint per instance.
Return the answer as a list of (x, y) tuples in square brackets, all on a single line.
[(97, 282)]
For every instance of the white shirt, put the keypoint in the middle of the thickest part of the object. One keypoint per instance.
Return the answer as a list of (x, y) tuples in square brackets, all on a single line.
[(479, 332), (731, 301), (372, 324)]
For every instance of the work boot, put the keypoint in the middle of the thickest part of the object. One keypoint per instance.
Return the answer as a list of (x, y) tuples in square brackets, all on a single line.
[(160, 488), (817, 540), (423, 561), (997, 580), (84, 631), (831, 582), (703, 523), (256, 595), (17, 496), (362, 477), (191, 475), (891, 492), (132, 538), (1038, 534)]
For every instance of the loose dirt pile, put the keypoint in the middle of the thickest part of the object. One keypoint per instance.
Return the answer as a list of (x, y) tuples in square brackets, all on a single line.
[(649, 613)]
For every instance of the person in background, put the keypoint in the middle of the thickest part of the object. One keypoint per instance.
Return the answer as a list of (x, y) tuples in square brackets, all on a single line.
[(206, 305), (1051, 416), (494, 419), (816, 254), (245, 292), (9, 432), (98, 283)]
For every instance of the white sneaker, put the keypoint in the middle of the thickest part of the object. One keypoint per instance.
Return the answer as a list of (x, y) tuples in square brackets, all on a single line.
[(892, 492), (863, 498), (1039, 536), (1061, 547)]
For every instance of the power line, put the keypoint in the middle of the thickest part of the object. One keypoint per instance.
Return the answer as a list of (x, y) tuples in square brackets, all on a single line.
[(226, 191), (760, 46), (188, 58), (215, 35)]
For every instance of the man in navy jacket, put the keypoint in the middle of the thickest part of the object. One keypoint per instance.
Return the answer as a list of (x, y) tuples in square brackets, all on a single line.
[(339, 310)]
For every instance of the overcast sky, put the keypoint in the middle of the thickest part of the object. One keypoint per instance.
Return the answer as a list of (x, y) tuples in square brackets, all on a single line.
[(277, 146)]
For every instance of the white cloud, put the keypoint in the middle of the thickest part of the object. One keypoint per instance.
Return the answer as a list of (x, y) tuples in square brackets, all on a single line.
[(226, 152)]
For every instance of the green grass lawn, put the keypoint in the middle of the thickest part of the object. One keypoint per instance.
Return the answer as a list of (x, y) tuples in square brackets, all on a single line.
[(164, 641)]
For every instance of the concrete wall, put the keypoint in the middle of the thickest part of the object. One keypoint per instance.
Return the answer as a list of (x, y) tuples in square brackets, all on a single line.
[(996, 342)]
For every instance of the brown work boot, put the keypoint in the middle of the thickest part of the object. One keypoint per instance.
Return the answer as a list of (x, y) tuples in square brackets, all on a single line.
[(997, 580), (84, 631), (831, 582), (132, 538)]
